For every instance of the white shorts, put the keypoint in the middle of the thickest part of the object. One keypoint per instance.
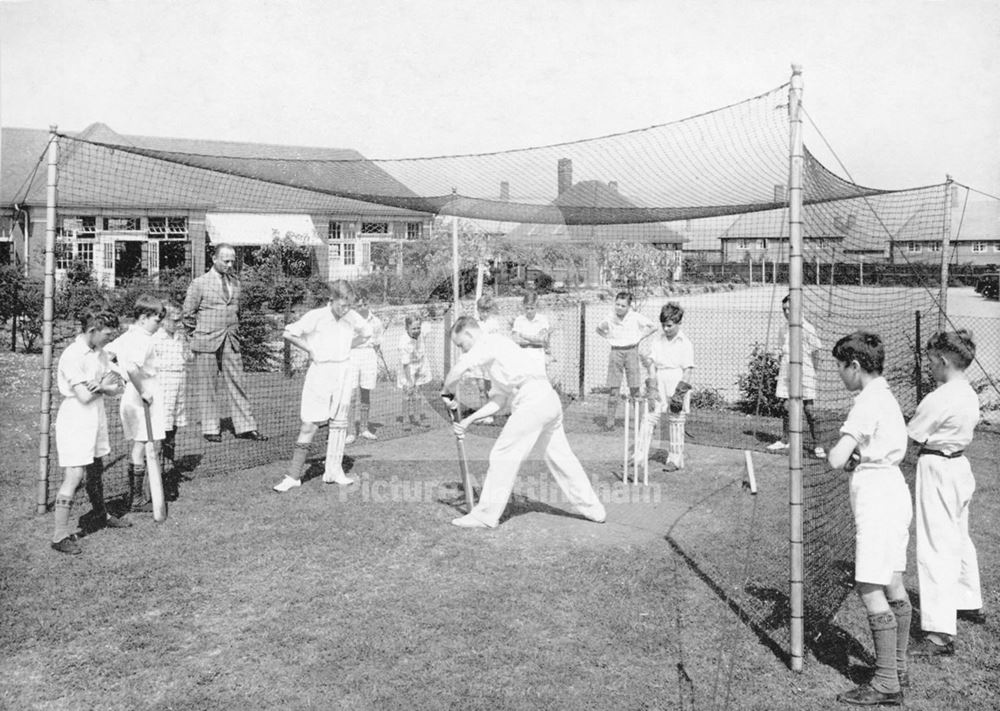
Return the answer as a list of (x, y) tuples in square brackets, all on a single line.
[(326, 392), (883, 510), (365, 363), (133, 416), (81, 432)]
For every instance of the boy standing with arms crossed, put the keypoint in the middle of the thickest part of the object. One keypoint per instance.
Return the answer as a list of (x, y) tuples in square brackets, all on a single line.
[(364, 356), (327, 334), (84, 376), (135, 354), (623, 331), (872, 444)]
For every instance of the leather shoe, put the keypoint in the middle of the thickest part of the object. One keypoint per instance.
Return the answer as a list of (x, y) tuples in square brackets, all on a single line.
[(927, 648), (212, 437), (865, 695), (252, 434)]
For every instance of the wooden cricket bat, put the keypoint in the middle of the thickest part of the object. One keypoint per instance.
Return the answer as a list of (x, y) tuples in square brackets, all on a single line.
[(153, 470), (463, 464)]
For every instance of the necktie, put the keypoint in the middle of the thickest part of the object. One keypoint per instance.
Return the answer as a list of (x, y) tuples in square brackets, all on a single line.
[(226, 289)]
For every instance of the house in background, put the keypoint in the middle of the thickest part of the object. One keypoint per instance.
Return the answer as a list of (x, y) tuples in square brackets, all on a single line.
[(129, 214)]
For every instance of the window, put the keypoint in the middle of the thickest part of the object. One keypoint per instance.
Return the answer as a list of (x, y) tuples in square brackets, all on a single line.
[(996, 246), (913, 247), (743, 244), (934, 247), (64, 255), (169, 227), (335, 251), (85, 252), (121, 224), (335, 232), (978, 247), (348, 253), (79, 227), (762, 244), (375, 228), (413, 230)]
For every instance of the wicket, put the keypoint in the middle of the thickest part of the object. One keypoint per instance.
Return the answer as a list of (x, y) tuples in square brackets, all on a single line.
[(633, 407)]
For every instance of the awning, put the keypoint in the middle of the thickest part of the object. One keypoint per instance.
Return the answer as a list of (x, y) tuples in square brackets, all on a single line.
[(256, 230)]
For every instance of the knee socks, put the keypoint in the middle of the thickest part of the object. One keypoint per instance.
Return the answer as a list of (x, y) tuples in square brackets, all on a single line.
[(95, 488), (903, 611), (364, 411), (63, 507), (884, 632)]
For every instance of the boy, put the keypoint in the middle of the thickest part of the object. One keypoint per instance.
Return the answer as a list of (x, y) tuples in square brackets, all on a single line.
[(172, 358), (84, 376), (669, 359), (135, 354), (364, 357), (535, 416), (623, 330), (327, 334), (871, 446), (947, 564), (811, 346)]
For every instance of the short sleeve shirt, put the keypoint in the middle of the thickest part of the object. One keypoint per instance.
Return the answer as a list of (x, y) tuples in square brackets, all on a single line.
[(628, 330), (676, 353), (135, 349), (532, 328), (80, 364), (377, 329), (876, 422), (946, 418), (329, 338)]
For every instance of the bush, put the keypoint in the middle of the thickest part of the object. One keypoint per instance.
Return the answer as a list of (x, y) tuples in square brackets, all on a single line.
[(708, 399), (757, 385)]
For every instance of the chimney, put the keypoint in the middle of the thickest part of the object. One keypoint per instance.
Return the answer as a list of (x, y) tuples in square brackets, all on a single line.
[(504, 191), (565, 175), (614, 186)]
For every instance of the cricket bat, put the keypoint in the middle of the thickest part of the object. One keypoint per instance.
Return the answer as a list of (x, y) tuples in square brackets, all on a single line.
[(153, 470), (463, 464)]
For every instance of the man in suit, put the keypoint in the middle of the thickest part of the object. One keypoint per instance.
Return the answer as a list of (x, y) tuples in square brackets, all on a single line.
[(211, 318)]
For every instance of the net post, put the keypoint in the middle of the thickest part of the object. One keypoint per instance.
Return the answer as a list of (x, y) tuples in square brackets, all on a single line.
[(582, 308), (48, 314), (945, 249), (917, 365), (795, 172)]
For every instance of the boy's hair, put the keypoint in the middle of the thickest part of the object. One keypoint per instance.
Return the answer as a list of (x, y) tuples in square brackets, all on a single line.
[(341, 289), (464, 323), (530, 298), (786, 300), (671, 311), (148, 305), (173, 308), (627, 295), (864, 347), (412, 319), (485, 303), (957, 346), (360, 294), (96, 316)]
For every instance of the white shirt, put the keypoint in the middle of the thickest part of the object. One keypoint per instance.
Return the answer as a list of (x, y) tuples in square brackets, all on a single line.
[(532, 328), (377, 329), (628, 330), (508, 365), (876, 422), (328, 337), (666, 353), (946, 418), (134, 349), (80, 364)]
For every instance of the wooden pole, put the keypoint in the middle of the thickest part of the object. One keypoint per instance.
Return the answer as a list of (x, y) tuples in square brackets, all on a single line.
[(48, 315), (583, 350), (945, 254), (795, 172)]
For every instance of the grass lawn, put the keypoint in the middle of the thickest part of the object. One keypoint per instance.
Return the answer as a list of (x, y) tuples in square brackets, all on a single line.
[(366, 598)]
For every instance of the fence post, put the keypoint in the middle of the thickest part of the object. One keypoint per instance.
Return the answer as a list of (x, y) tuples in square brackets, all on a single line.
[(447, 340), (582, 308), (48, 316), (916, 358)]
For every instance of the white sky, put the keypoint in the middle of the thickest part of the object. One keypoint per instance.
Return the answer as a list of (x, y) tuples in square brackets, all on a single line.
[(904, 90)]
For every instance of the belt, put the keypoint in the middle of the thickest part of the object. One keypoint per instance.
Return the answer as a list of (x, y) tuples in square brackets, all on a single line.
[(624, 348), (938, 453), (532, 345)]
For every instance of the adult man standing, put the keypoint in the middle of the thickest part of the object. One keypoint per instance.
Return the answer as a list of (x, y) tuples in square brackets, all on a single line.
[(211, 318)]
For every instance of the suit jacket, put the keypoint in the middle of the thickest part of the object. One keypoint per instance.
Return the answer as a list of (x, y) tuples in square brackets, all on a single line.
[(209, 317)]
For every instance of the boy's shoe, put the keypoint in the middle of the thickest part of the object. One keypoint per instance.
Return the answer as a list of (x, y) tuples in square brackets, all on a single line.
[(138, 507), (976, 617), (670, 467), (351, 438), (468, 521), (285, 484), (778, 446), (368, 434), (116, 522), (338, 478), (819, 453), (928, 648), (68, 545), (865, 695)]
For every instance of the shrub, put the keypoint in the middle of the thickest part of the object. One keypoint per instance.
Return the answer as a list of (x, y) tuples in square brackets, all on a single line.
[(757, 385), (708, 399)]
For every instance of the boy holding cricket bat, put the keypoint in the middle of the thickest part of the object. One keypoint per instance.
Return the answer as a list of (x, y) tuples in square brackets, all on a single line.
[(84, 377), (135, 354)]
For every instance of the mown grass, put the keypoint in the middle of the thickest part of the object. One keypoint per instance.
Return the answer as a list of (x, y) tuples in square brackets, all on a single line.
[(328, 598)]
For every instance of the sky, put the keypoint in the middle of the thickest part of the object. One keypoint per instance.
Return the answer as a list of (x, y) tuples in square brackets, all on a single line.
[(905, 91)]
